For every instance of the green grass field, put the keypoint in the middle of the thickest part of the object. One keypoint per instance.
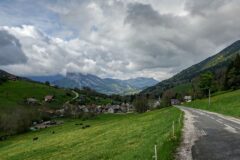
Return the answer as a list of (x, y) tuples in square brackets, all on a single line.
[(118, 137), (227, 103), (13, 93)]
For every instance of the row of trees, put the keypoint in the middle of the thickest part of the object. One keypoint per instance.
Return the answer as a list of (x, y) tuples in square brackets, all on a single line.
[(217, 80), (17, 119), (232, 78), (221, 80)]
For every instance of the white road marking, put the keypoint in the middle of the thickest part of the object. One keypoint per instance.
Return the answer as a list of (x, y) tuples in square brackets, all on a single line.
[(230, 129), (219, 121), (203, 133)]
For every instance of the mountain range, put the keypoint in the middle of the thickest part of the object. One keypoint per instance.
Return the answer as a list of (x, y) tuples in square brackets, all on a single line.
[(213, 64), (102, 85)]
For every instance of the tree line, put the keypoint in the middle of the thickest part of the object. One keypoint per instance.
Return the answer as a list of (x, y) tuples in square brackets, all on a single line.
[(225, 78)]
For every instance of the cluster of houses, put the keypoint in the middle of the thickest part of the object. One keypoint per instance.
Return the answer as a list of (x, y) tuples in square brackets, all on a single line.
[(34, 101), (75, 109), (177, 101)]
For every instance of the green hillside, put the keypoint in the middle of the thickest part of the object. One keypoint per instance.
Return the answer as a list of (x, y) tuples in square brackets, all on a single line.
[(117, 137), (213, 64), (13, 94), (227, 103)]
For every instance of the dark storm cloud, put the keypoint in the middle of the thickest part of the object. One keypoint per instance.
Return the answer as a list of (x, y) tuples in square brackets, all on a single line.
[(144, 14), (203, 7), (153, 38), (10, 49)]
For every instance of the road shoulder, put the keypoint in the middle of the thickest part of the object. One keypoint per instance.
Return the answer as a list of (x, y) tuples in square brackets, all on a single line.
[(184, 151)]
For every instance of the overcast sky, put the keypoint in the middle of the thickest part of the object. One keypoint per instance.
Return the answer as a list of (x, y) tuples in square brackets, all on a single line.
[(113, 38)]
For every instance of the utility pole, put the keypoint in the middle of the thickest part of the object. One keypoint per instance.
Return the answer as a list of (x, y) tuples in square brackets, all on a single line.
[(209, 97)]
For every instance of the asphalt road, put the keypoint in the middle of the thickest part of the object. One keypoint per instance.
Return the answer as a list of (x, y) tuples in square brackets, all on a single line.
[(210, 136)]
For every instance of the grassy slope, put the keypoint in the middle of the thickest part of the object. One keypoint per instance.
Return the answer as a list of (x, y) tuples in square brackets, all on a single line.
[(183, 88), (117, 137), (13, 93), (227, 103)]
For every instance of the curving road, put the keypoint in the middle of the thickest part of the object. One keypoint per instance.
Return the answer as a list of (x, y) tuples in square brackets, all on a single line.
[(76, 96), (209, 136)]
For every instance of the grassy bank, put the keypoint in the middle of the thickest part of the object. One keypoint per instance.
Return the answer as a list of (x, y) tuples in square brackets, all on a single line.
[(118, 137), (227, 103)]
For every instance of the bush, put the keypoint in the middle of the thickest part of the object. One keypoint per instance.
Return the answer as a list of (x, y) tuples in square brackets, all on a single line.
[(141, 104)]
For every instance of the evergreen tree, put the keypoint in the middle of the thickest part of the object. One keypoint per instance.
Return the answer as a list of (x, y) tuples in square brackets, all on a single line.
[(206, 81), (232, 80)]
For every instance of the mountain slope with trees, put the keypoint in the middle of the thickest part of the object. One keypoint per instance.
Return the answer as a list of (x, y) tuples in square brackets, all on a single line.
[(216, 64), (105, 85)]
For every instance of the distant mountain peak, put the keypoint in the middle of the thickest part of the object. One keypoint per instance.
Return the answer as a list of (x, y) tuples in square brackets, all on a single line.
[(103, 85)]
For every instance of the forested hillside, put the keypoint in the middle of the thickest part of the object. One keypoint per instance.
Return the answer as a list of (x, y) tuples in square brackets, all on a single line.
[(216, 64)]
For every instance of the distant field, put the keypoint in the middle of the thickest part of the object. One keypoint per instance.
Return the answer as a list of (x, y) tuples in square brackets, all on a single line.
[(118, 137), (13, 93), (227, 103)]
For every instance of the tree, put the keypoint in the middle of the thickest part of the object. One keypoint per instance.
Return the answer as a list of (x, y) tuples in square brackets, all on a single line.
[(166, 97), (196, 91), (17, 121), (206, 81), (232, 80), (47, 83), (141, 104), (3, 79)]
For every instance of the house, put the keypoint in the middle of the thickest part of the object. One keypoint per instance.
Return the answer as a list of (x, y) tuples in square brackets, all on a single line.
[(187, 98), (32, 101), (156, 104), (83, 108), (60, 112), (124, 108), (92, 108), (130, 108), (175, 102), (13, 78), (114, 109), (48, 98), (100, 109)]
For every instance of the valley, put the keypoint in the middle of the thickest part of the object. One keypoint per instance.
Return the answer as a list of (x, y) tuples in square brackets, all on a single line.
[(83, 116), (119, 80)]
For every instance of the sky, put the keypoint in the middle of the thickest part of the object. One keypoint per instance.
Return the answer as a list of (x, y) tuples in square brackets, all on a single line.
[(113, 38)]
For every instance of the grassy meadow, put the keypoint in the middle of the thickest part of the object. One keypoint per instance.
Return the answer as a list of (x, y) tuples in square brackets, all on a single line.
[(13, 94), (227, 103), (109, 136)]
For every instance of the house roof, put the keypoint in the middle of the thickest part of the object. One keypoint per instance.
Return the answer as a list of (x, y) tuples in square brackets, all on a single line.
[(49, 97), (32, 100)]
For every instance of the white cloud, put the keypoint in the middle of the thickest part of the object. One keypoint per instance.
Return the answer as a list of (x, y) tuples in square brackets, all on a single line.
[(120, 38)]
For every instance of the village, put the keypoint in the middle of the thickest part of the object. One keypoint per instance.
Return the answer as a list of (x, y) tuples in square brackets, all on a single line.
[(74, 109)]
